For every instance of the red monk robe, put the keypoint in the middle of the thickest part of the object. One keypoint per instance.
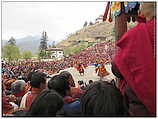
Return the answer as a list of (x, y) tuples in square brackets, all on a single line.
[(102, 71), (81, 69), (136, 62)]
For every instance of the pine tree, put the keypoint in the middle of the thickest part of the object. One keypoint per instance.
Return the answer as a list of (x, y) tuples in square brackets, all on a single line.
[(43, 43), (12, 41)]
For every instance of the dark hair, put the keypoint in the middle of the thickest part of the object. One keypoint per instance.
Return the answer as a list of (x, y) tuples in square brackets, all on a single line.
[(60, 84), (38, 78), (80, 82), (29, 76), (90, 81), (102, 99), (69, 77), (47, 103), (66, 74)]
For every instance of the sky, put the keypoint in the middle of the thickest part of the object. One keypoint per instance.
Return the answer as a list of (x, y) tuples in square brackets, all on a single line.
[(58, 19)]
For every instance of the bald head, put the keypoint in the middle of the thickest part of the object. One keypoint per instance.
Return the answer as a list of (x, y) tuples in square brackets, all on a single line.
[(148, 9)]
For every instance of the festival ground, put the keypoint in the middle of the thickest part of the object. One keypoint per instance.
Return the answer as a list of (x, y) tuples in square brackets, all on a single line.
[(89, 74)]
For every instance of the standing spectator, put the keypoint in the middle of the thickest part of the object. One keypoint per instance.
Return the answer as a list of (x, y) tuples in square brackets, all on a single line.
[(46, 104), (71, 105), (38, 83)]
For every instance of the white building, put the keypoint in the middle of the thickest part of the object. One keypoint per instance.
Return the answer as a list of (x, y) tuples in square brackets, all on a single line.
[(56, 52)]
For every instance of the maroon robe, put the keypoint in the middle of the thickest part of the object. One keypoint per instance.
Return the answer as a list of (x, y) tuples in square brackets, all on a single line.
[(136, 62)]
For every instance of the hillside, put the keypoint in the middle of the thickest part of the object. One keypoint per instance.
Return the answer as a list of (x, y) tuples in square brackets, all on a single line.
[(87, 36), (77, 41)]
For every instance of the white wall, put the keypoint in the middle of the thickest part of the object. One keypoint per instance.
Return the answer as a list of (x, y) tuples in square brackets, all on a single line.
[(57, 54)]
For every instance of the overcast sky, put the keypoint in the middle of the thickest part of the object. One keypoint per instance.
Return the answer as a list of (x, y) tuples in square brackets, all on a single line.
[(58, 19)]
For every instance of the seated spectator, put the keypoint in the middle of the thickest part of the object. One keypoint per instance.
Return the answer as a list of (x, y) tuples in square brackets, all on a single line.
[(71, 105), (38, 83), (18, 89), (46, 104), (102, 99)]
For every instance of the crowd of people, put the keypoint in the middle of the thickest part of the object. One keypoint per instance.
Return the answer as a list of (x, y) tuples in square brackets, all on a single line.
[(20, 86), (86, 57), (60, 97), (28, 90)]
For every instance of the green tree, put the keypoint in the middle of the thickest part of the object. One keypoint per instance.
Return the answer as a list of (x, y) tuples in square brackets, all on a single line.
[(11, 52), (43, 42), (53, 46), (12, 41), (27, 54), (42, 54), (48, 53)]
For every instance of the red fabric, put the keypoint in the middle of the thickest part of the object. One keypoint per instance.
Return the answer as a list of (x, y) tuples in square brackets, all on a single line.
[(20, 94), (68, 99), (102, 71), (106, 11), (30, 98), (135, 60), (6, 106), (141, 19), (110, 16)]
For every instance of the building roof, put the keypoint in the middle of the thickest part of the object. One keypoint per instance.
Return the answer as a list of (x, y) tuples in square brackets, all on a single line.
[(54, 49)]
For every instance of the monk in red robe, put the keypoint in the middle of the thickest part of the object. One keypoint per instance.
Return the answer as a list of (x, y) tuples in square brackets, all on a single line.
[(102, 72), (136, 61), (81, 69)]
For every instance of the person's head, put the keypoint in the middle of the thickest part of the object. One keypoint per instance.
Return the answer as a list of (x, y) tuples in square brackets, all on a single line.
[(8, 83), (18, 86), (69, 77), (38, 80), (47, 103), (29, 76), (90, 81), (80, 83), (60, 84), (148, 9), (102, 99)]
